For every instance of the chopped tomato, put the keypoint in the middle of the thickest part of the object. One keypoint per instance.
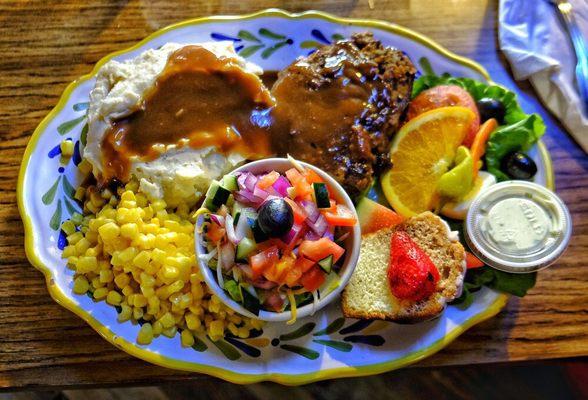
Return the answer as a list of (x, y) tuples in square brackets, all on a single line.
[(301, 265), (316, 250), (304, 263), (312, 177), (267, 180), (313, 279), (263, 260), (299, 182), (215, 233), (299, 214), (278, 271), (446, 96), (342, 217), (472, 261)]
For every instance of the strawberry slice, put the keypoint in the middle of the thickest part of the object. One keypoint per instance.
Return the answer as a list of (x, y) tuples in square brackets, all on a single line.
[(411, 273)]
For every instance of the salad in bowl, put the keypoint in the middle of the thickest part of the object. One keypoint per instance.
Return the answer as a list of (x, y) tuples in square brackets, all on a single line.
[(277, 239)]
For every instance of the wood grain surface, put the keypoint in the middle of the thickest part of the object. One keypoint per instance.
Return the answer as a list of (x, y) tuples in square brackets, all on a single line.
[(44, 45)]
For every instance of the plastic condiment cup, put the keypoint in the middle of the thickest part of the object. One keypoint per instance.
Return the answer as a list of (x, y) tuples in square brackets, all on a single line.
[(352, 245), (518, 226)]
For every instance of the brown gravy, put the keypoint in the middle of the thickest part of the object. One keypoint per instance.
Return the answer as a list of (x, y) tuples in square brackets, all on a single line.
[(198, 100)]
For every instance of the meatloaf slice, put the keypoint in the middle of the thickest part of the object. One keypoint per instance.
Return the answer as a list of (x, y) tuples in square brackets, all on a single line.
[(338, 108)]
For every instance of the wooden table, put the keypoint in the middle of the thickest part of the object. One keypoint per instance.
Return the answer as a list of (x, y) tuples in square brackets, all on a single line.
[(45, 44)]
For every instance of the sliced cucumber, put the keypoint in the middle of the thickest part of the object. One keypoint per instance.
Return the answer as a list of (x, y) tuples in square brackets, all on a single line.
[(244, 248), (234, 290), (321, 195), (326, 263), (250, 302), (230, 183), (216, 196), (332, 282)]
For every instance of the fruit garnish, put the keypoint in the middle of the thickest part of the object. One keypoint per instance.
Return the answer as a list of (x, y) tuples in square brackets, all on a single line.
[(411, 273), (422, 151), (374, 216), (457, 209), (446, 96), (458, 181)]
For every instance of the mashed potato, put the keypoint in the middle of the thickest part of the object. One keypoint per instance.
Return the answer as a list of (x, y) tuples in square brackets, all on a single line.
[(179, 174)]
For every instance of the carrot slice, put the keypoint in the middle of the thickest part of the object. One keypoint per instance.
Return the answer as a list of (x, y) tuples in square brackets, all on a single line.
[(472, 261), (479, 145)]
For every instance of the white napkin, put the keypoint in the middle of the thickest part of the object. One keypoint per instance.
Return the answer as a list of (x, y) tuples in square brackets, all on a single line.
[(538, 48)]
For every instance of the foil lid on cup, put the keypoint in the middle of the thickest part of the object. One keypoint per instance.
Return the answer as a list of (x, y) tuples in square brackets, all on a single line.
[(518, 226)]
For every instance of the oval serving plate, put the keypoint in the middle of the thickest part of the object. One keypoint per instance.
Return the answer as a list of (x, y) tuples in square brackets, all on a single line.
[(319, 347)]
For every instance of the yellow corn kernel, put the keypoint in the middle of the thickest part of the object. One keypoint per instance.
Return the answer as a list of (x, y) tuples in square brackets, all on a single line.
[(235, 319), (128, 196), (125, 313), (140, 300), (192, 321), (167, 320), (86, 264), (153, 305), (80, 194), (128, 204), (185, 300), (106, 276), (68, 227), (243, 332), (129, 230), (96, 282), (145, 335), (96, 200), (113, 298), (109, 231), (159, 205), (82, 245), (147, 280), (169, 272), (127, 290), (216, 329), (233, 329), (157, 328), (142, 259), (170, 332), (128, 254), (85, 167), (122, 280), (74, 238), (175, 287), (187, 338), (100, 293), (68, 251), (94, 252), (256, 323), (81, 285), (137, 313)]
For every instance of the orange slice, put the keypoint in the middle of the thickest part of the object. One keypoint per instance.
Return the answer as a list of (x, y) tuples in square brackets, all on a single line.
[(422, 151)]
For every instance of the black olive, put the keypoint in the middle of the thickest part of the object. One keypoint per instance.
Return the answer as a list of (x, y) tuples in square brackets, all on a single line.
[(275, 217), (518, 166), (491, 108)]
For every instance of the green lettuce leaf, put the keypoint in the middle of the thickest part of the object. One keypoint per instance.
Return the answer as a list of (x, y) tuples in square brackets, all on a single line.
[(515, 284), (519, 136), (520, 130)]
